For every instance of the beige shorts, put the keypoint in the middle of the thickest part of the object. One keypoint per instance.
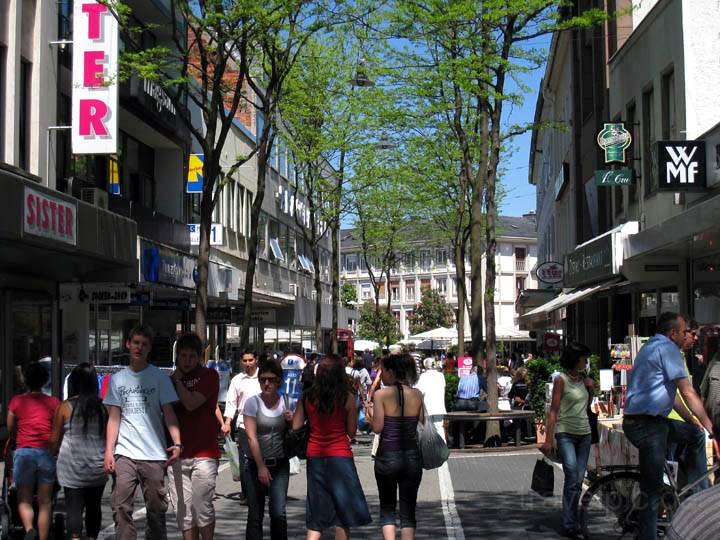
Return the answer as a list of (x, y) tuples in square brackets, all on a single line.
[(192, 490)]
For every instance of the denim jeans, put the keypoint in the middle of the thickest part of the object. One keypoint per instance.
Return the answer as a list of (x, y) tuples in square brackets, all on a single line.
[(574, 451), (650, 435), (398, 471), (693, 459), (256, 493)]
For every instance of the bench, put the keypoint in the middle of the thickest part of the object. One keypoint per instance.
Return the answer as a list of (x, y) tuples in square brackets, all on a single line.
[(469, 416)]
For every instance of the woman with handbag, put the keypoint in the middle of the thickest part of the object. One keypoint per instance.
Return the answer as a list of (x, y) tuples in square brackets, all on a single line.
[(568, 422), (335, 498), (267, 472), (394, 414)]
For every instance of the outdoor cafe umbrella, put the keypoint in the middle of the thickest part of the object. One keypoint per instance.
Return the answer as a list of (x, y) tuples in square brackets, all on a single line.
[(436, 334)]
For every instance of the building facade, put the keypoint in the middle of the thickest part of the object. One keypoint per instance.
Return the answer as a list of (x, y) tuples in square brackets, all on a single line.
[(432, 267), (653, 247)]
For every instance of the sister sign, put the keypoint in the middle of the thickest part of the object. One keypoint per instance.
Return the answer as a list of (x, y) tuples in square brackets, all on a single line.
[(94, 77)]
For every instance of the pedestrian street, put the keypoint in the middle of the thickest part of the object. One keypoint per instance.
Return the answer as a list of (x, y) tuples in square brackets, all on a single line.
[(475, 495)]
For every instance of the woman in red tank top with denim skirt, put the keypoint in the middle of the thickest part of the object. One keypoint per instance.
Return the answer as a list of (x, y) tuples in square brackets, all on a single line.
[(329, 406)]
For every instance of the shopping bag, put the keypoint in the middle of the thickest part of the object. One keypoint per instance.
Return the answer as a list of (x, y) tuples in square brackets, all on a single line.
[(294, 465), (231, 449), (543, 478), (433, 448)]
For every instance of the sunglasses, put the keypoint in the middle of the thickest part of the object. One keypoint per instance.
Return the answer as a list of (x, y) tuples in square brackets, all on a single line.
[(271, 380)]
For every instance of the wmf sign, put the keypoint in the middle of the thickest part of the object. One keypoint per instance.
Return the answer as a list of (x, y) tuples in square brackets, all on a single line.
[(681, 166)]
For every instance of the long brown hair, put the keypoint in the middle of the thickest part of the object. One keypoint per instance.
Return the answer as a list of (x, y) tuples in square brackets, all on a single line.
[(331, 385)]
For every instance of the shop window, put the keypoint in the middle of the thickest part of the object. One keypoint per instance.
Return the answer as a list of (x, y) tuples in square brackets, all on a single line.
[(648, 304), (648, 142), (669, 301)]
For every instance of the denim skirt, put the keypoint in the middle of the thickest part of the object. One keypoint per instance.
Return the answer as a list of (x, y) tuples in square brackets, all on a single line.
[(334, 495)]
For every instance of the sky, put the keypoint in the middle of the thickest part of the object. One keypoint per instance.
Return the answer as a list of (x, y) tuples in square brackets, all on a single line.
[(520, 194)]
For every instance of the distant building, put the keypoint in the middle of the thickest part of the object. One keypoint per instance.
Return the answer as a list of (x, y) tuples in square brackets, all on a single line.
[(431, 266)]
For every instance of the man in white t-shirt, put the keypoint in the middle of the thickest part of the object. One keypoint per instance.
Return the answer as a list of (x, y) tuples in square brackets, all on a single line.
[(243, 386), (432, 386), (138, 399)]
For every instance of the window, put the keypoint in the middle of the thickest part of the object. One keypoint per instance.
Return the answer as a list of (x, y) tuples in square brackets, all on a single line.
[(262, 235), (24, 128), (284, 241), (410, 293), (441, 256), (381, 291), (669, 113), (292, 253), (587, 73), (396, 315), (630, 153), (424, 284), (648, 140), (520, 256), (276, 251), (395, 293), (365, 291), (409, 261), (520, 284), (3, 110), (441, 285), (350, 262), (425, 260)]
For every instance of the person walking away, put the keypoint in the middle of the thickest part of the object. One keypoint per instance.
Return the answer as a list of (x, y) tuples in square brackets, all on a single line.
[(689, 451), (138, 399), (432, 386), (267, 472), (368, 360), (658, 372), (79, 433), (568, 422), (363, 376), (242, 387), (334, 494), (29, 424), (394, 414), (518, 396), (192, 477)]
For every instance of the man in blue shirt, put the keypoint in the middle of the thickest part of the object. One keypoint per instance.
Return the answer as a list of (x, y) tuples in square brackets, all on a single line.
[(658, 372), (471, 392)]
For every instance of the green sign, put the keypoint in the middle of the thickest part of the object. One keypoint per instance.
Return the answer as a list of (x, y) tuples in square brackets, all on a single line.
[(614, 139), (617, 177)]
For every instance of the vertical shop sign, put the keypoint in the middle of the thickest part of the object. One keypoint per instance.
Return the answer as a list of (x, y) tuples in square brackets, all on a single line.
[(94, 79), (195, 173), (114, 176)]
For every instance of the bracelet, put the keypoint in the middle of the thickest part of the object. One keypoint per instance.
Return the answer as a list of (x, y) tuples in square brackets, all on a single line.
[(179, 446)]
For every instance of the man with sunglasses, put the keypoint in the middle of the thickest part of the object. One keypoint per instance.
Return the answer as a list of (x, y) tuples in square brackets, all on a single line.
[(242, 387), (686, 443)]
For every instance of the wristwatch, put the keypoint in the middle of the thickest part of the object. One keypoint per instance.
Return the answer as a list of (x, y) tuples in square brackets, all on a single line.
[(179, 446)]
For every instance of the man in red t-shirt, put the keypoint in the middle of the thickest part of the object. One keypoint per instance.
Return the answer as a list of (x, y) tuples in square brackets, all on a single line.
[(192, 477)]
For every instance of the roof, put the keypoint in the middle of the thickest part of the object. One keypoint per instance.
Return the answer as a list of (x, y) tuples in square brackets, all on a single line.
[(508, 227)]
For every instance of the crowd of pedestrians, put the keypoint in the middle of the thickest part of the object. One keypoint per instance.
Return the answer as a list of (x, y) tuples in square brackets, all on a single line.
[(158, 431)]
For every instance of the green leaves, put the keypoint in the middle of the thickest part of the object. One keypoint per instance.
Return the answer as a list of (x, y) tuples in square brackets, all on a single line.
[(377, 325), (432, 312)]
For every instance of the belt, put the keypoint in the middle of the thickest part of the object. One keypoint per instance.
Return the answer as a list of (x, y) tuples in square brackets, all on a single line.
[(470, 398), (272, 462), (653, 417)]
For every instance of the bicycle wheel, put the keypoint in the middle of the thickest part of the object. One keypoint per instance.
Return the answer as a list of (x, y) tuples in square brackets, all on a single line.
[(609, 507)]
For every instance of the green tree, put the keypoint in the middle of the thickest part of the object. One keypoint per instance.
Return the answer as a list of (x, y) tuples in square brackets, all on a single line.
[(348, 294), (463, 61), (377, 325), (431, 312)]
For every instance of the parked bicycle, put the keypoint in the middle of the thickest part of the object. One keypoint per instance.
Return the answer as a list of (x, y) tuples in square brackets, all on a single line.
[(609, 508)]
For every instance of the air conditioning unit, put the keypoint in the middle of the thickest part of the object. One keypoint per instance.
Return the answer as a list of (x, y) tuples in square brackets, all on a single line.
[(293, 289), (95, 196)]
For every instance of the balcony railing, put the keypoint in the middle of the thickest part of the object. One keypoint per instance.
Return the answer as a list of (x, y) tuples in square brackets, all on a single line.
[(520, 265)]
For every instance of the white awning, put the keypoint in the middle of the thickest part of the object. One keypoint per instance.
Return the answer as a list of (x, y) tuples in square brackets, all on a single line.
[(565, 299)]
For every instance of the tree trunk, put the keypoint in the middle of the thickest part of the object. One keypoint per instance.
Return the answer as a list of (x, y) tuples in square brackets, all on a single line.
[(252, 241), (476, 286), (318, 300), (460, 276), (203, 261), (493, 428), (335, 272)]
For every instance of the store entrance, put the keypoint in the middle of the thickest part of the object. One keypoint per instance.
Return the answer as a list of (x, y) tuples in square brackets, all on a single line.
[(27, 320)]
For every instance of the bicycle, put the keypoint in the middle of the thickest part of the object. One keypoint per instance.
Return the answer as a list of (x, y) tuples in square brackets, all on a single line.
[(609, 508)]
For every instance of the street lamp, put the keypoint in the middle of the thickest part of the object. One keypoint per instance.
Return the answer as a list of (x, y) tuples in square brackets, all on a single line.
[(361, 78)]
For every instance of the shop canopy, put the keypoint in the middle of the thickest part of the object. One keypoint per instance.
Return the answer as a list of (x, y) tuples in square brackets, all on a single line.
[(366, 344), (565, 299), (437, 334), (504, 333)]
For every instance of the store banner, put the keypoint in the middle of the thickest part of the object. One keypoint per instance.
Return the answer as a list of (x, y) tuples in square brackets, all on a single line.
[(94, 79), (682, 166), (49, 217), (616, 177), (195, 173), (161, 264), (114, 176)]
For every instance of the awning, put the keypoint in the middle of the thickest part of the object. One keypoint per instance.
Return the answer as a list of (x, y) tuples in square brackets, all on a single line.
[(567, 298)]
